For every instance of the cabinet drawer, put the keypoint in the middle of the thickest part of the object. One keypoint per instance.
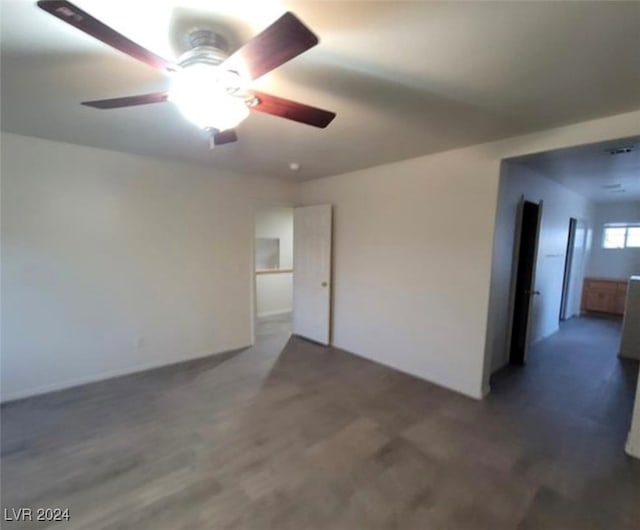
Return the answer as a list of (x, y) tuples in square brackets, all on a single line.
[(619, 303), (600, 285)]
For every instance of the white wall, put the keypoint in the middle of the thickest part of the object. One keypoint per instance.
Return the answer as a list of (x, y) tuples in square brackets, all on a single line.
[(633, 440), (614, 263), (411, 263), (630, 347), (274, 292), (100, 249), (559, 205), (113, 263), (413, 252)]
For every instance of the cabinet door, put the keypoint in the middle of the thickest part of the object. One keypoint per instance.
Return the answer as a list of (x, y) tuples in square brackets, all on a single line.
[(620, 298), (619, 304), (587, 295), (601, 301)]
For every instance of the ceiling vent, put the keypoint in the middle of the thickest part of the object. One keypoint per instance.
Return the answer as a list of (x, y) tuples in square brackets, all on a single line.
[(620, 150)]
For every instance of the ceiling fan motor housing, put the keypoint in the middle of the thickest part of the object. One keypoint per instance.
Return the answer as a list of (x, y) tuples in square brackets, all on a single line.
[(207, 47), (210, 49)]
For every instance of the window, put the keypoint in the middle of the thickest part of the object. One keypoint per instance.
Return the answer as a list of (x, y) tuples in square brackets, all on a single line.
[(267, 253), (621, 235), (633, 236)]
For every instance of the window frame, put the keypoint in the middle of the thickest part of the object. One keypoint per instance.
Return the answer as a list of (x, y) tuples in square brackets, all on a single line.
[(626, 227)]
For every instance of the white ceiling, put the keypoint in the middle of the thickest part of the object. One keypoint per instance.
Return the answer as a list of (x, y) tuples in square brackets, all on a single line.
[(405, 78), (592, 171)]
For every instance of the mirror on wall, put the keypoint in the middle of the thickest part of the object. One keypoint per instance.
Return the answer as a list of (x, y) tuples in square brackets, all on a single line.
[(267, 253)]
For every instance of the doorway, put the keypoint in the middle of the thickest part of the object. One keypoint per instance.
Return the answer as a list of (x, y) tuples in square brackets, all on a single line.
[(525, 280), (569, 256), (293, 271), (273, 252)]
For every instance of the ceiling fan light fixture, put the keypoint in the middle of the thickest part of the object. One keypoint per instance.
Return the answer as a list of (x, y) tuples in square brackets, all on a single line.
[(204, 94), (210, 87)]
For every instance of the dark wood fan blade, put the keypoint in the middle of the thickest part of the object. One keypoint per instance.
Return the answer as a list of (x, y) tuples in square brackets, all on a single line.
[(291, 110), (285, 39), (225, 137), (78, 18), (128, 101)]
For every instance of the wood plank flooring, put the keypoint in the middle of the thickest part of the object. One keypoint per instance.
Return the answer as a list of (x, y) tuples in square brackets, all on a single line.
[(292, 435)]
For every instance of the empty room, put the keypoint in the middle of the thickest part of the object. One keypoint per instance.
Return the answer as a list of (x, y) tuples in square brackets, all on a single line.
[(320, 265)]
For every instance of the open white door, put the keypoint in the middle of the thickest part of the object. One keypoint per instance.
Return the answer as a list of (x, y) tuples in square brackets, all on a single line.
[(312, 272)]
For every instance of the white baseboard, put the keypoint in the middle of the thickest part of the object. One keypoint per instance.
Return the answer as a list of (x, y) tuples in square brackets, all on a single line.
[(110, 374), (274, 313), (631, 450)]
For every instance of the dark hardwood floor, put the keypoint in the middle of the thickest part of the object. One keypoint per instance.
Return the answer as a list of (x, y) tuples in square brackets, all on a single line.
[(291, 435)]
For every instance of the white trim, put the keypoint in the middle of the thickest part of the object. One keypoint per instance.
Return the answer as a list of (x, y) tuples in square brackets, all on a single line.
[(630, 449), (274, 313), (45, 389)]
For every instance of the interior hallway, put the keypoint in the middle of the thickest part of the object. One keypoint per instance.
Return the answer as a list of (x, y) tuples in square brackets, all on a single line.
[(292, 435), (576, 372)]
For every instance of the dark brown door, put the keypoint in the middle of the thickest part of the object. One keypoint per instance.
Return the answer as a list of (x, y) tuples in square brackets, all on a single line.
[(525, 279)]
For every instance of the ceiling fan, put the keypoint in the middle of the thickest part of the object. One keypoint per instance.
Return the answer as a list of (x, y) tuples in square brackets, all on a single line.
[(210, 86)]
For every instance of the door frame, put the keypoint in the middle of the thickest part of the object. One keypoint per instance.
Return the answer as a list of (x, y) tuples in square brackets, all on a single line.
[(568, 268)]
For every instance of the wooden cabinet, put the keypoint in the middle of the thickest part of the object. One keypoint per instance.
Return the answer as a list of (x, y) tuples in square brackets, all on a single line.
[(603, 295)]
